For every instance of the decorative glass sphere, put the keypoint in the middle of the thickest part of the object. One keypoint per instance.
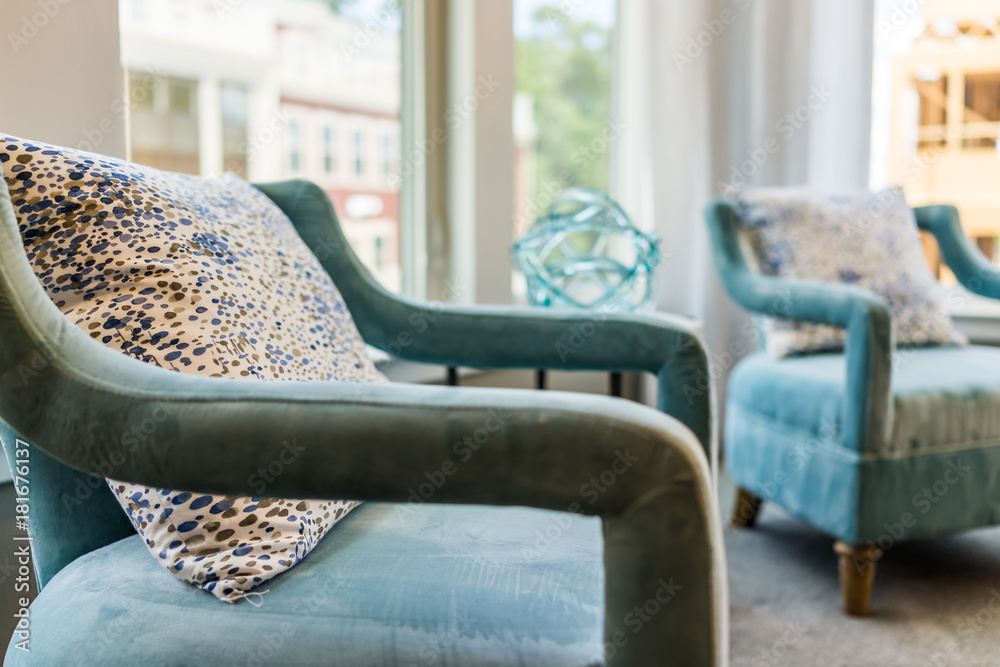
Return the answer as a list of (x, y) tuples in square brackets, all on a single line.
[(586, 253)]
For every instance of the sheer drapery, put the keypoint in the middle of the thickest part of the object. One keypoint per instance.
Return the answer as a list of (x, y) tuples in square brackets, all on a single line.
[(716, 94)]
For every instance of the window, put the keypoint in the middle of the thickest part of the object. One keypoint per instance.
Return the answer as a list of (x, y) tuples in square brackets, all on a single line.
[(386, 156), (329, 150), (261, 87), (937, 112), (982, 110), (234, 102), (294, 146), (563, 130), (932, 96), (359, 154), (164, 121)]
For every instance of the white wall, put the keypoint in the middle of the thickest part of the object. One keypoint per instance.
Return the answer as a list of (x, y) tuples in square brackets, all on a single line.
[(61, 77), (60, 72)]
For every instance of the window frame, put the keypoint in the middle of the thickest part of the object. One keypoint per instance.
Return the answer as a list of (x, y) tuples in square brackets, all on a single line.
[(478, 183)]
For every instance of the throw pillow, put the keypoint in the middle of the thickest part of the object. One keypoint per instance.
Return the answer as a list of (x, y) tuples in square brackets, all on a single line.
[(870, 240), (195, 275)]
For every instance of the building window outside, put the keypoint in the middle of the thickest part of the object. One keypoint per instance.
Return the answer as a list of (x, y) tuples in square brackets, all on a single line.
[(295, 146), (379, 243), (936, 101), (386, 156), (359, 154), (189, 111), (982, 110), (329, 150), (164, 122), (234, 103)]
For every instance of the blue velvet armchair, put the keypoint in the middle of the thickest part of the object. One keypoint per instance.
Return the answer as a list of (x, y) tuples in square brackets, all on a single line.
[(873, 445), (619, 561)]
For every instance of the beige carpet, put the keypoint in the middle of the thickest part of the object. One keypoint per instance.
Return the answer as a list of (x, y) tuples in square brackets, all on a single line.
[(931, 605)]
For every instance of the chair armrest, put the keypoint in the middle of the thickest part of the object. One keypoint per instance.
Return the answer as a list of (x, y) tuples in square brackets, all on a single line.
[(972, 269), (643, 473), (869, 344), (504, 337)]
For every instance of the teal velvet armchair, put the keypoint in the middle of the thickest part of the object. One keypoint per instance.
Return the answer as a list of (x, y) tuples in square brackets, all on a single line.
[(618, 563), (873, 445)]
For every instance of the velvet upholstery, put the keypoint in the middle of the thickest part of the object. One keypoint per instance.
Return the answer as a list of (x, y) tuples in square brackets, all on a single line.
[(86, 406), (447, 584), (875, 444), (943, 398)]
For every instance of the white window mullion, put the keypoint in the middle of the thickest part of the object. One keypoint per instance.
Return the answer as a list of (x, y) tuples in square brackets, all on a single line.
[(210, 157), (413, 133), (481, 148)]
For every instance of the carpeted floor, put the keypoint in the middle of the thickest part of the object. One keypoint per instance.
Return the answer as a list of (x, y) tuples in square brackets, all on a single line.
[(931, 605)]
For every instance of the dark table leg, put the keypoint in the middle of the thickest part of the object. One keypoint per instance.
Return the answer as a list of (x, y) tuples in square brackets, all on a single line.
[(452, 376), (616, 384), (540, 378)]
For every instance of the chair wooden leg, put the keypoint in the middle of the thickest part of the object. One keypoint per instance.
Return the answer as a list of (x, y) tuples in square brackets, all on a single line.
[(745, 509), (857, 575)]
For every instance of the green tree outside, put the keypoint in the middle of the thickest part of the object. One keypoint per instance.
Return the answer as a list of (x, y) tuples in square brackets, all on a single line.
[(567, 71)]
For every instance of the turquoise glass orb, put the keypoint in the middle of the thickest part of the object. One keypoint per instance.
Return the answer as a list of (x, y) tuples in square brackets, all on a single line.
[(586, 253)]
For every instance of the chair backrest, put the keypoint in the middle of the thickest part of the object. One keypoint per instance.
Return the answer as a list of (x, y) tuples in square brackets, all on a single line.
[(729, 251)]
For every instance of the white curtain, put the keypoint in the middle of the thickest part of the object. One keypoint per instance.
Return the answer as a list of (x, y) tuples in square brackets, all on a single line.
[(718, 92)]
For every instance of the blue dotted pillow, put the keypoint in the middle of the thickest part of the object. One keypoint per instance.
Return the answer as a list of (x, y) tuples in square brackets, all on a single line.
[(195, 275)]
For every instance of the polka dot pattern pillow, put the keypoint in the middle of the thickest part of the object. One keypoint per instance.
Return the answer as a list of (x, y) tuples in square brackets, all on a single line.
[(195, 275)]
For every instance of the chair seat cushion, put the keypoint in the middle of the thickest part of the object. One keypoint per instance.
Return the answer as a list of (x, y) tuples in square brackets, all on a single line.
[(944, 399), (401, 585)]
